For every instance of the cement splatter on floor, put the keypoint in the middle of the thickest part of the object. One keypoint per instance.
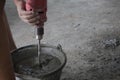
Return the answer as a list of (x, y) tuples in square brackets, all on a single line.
[(112, 43)]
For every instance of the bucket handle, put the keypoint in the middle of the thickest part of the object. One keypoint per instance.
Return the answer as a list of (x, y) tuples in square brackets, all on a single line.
[(59, 47)]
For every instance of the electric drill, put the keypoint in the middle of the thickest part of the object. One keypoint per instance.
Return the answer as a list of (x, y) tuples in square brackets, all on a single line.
[(41, 7)]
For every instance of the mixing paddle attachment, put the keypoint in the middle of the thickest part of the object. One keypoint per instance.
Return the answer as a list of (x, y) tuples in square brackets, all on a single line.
[(40, 32)]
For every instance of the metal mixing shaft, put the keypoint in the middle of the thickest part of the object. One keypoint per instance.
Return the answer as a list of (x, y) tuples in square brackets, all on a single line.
[(39, 35)]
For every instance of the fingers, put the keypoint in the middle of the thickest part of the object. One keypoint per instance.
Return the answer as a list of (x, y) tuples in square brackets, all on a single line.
[(29, 17), (34, 21), (22, 12)]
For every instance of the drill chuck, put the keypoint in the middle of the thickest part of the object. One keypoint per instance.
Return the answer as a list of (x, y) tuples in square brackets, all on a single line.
[(40, 32)]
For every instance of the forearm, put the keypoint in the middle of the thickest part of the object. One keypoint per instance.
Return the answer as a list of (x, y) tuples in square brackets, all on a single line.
[(6, 68)]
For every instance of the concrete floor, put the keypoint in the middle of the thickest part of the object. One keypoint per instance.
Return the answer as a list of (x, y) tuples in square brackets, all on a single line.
[(81, 27)]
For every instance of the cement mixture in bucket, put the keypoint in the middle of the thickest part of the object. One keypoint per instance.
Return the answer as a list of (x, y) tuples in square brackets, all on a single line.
[(48, 62)]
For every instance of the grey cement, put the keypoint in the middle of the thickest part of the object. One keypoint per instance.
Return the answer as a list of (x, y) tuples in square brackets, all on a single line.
[(48, 64), (81, 27)]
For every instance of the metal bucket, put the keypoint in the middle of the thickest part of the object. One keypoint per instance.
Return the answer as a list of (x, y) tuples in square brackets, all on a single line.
[(31, 52)]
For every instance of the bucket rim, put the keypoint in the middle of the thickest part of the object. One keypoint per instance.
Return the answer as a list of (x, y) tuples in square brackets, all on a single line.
[(43, 45)]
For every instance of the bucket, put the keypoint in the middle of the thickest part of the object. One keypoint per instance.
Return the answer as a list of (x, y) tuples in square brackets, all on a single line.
[(29, 53)]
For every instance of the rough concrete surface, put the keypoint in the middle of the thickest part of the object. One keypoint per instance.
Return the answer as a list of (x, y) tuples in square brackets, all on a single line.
[(82, 27)]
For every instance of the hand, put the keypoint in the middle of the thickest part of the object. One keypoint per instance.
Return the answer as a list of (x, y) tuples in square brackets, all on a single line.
[(29, 17)]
